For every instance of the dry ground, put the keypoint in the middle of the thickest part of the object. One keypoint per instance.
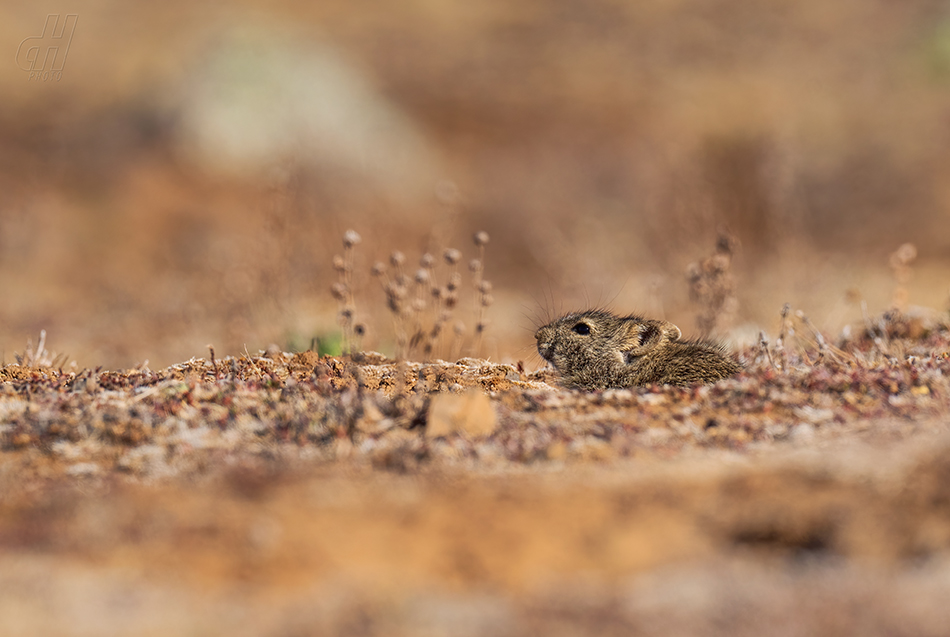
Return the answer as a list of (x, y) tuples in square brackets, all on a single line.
[(292, 494)]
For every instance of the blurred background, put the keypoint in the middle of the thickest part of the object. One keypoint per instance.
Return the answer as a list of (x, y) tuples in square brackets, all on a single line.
[(186, 177)]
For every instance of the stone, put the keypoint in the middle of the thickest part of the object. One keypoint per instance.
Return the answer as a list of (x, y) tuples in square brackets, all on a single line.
[(469, 413)]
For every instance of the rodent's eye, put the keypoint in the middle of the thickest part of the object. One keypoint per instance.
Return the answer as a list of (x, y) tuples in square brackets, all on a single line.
[(581, 328)]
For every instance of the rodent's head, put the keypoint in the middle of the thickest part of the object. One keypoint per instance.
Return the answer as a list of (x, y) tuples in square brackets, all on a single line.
[(587, 346)]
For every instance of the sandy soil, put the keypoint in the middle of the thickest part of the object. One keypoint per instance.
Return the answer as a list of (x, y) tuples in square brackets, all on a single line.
[(294, 494)]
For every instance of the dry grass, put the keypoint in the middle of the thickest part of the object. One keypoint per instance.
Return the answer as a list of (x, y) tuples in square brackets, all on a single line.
[(423, 304)]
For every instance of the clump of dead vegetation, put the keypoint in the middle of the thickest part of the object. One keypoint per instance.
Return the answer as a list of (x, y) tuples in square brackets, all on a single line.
[(712, 287), (39, 356), (901, 262), (342, 291), (422, 302)]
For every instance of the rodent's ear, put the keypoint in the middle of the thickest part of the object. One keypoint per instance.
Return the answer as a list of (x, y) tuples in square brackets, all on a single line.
[(671, 332), (646, 335), (642, 336)]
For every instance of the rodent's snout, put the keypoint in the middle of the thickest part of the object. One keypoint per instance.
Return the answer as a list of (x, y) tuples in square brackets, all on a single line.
[(545, 339)]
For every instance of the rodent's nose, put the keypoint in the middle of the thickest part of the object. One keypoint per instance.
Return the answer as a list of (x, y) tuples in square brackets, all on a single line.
[(546, 350), (545, 344)]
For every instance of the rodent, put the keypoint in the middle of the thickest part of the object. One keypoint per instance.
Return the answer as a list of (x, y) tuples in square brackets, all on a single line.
[(598, 350)]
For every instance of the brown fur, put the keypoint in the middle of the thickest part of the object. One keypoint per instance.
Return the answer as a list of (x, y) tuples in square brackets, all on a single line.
[(628, 351)]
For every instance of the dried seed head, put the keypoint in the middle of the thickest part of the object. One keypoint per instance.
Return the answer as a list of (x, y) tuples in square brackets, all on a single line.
[(339, 263), (397, 258), (379, 269), (487, 300), (451, 300), (403, 280), (418, 305), (396, 291), (475, 265), (427, 260), (904, 255), (717, 264), (359, 329), (480, 238), (346, 315), (481, 327), (693, 272), (452, 256), (351, 238), (338, 290), (459, 328), (726, 244), (485, 287), (436, 292), (422, 276), (454, 282), (700, 289)]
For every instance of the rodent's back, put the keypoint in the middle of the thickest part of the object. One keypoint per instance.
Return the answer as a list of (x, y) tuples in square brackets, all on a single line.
[(683, 363), (597, 350)]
